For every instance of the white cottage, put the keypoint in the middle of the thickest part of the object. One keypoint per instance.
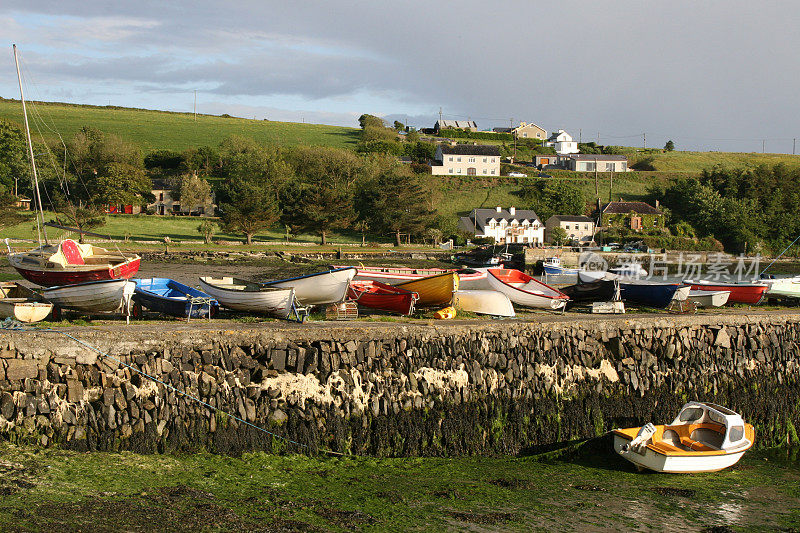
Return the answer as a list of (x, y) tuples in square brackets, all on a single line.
[(563, 143), (505, 225)]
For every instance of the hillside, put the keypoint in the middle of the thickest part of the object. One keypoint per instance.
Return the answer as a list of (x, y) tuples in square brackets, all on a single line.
[(162, 130)]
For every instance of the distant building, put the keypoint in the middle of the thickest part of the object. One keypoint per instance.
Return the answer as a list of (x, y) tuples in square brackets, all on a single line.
[(468, 125), (165, 204), (548, 160), (632, 215), (22, 202), (530, 130), (599, 162), (578, 228), (466, 160), (562, 142), (504, 225)]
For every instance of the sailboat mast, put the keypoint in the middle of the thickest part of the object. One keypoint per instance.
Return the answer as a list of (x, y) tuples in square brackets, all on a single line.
[(39, 229)]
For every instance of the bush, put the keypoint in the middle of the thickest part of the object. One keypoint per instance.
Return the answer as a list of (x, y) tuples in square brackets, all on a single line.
[(482, 240), (461, 134)]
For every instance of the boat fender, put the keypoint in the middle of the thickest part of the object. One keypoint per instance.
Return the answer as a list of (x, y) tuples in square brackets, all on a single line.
[(446, 313), (639, 443)]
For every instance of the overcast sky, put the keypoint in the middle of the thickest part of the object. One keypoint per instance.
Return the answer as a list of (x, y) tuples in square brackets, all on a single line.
[(711, 75)]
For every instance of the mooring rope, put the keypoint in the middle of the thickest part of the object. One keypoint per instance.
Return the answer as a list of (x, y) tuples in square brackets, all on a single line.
[(13, 325)]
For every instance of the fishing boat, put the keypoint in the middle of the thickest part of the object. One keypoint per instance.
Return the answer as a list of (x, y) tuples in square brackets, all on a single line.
[(22, 304), (553, 266), (602, 290), (740, 292), (377, 295), (709, 298), (433, 291), (320, 288), (105, 296), (243, 295), (704, 437), (170, 297), (468, 278), (492, 303), (526, 290), (69, 263)]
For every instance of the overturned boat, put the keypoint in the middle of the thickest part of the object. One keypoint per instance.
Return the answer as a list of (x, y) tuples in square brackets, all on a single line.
[(105, 296), (704, 437), (22, 304)]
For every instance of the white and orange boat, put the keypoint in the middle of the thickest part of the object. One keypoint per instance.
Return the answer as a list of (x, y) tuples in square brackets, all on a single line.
[(704, 437)]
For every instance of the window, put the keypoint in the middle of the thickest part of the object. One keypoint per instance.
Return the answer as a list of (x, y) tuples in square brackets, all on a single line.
[(736, 433), (161, 197), (492, 171), (609, 167), (471, 160), (691, 414), (622, 167), (449, 158), (472, 171), (491, 224), (485, 159), (525, 135), (586, 227), (449, 170), (458, 159), (493, 162), (485, 170), (458, 171), (566, 227), (590, 166)]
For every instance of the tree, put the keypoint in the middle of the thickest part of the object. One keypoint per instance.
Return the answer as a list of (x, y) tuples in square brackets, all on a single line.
[(9, 212), (553, 197), (81, 217), (207, 228), (558, 235), (399, 126), (193, 191), (670, 146), (318, 206), (14, 164), (247, 207), (119, 183), (362, 227)]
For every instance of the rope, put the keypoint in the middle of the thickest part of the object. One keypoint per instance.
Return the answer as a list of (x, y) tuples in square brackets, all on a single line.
[(14, 325)]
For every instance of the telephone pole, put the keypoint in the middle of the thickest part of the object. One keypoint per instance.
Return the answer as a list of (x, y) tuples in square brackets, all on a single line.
[(195, 105), (763, 145), (794, 145), (580, 135), (644, 141), (440, 114)]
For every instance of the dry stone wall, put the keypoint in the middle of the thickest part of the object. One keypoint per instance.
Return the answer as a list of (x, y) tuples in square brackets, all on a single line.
[(486, 387)]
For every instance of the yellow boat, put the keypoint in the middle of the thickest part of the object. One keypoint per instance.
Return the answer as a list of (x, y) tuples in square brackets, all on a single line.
[(434, 291)]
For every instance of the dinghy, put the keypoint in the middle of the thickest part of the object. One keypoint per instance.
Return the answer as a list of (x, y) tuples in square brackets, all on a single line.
[(782, 288), (492, 303), (167, 296), (709, 298), (468, 278), (526, 290), (20, 303), (320, 288), (243, 295), (71, 263), (94, 296), (652, 293), (704, 437), (433, 291), (377, 295), (602, 290), (552, 266), (740, 292)]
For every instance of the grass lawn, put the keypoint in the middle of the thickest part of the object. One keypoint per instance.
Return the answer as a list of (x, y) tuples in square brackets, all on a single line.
[(55, 490), (161, 130)]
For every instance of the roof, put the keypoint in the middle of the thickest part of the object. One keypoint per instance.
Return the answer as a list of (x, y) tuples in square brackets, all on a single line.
[(623, 208), (597, 157), (571, 218), (501, 130), (456, 124), (530, 125), (466, 224), (482, 216), (162, 184), (470, 149)]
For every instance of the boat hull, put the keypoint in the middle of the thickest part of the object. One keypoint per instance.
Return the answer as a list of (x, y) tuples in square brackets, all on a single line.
[(93, 297), (376, 295), (709, 298), (78, 274), (595, 291), (467, 278), (23, 310), (678, 464), (433, 291), (320, 288), (271, 301), (492, 303), (650, 294), (525, 290), (751, 293), (169, 297)]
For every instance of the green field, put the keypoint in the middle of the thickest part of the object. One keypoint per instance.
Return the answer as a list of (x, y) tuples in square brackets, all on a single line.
[(57, 490), (161, 130), (697, 161)]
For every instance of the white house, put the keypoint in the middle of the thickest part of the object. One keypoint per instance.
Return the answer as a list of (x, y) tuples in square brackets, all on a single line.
[(504, 225), (562, 142), (598, 162), (466, 160)]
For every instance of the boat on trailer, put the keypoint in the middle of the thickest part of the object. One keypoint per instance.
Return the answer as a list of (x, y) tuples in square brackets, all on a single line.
[(704, 437), (167, 296), (377, 295), (526, 290), (244, 295), (20, 303), (320, 288), (105, 296)]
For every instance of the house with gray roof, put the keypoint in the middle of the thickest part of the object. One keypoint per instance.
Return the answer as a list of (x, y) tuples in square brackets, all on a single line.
[(504, 225), (632, 215), (468, 125), (466, 160)]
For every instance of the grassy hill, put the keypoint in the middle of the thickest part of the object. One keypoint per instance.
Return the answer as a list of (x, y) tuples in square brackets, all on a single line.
[(163, 130)]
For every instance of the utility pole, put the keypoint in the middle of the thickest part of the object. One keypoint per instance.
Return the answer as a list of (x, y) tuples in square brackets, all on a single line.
[(794, 144), (440, 113), (598, 138), (580, 135), (644, 141), (611, 189), (596, 183), (195, 105), (763, 145)]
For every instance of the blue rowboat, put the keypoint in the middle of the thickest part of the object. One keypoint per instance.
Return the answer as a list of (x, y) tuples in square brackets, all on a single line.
[(170, 297), (650, 293)]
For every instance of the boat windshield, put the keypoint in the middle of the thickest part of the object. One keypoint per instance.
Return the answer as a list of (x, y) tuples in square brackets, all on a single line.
[(691, 414)]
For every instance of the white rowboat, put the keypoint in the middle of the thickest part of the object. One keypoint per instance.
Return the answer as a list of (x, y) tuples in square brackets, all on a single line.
[(709, 298), (94, 296), (526, 290), (243, 295), (320, 288), (22, 304), (483, 302)]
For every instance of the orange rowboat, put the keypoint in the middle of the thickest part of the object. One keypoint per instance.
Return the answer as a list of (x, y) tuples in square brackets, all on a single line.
[(434, 291)]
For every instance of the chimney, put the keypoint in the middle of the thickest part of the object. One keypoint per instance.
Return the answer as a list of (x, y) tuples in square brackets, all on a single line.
[(499, 208), (656, 204), (620, 199), (512, 210)]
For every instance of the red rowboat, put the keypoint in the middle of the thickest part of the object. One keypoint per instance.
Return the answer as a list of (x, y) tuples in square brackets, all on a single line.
[(377, 295), (70, 263), (741, 293)]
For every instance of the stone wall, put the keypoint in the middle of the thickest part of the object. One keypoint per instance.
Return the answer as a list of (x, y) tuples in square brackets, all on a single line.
[(480, 387)]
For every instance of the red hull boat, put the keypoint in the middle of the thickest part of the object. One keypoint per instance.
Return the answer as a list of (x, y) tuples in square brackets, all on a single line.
[(741, 293), (377, 295), (70, 263)]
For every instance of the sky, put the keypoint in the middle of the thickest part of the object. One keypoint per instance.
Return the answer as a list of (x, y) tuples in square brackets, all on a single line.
[(710, 75)]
